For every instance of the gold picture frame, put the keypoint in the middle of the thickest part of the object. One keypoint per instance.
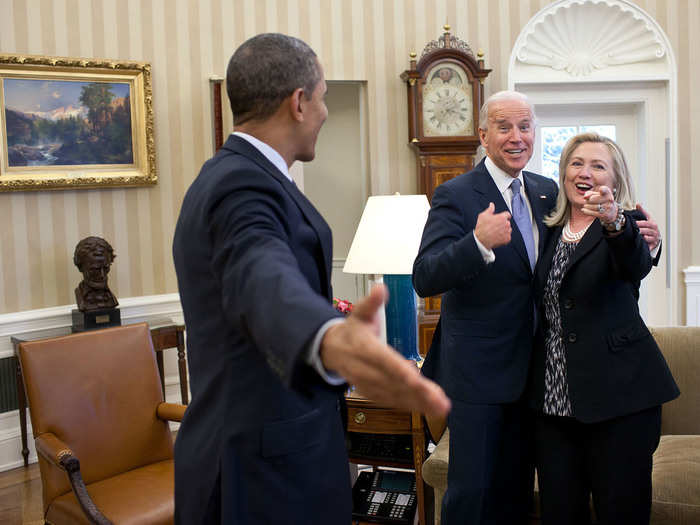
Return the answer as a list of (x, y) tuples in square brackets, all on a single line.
[(69, 123)]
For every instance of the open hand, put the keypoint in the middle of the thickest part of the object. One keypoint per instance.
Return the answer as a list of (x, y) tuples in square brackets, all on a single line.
[(378, 372)]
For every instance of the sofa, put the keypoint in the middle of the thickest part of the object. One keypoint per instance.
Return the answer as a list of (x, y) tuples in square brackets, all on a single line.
[(676, 474)]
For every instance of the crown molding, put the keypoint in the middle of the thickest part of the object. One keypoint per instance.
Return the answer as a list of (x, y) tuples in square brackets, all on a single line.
[(580, 37)]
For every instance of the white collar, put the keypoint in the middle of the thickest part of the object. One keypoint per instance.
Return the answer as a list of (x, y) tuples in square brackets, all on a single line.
[(502, 179), (268, 152)]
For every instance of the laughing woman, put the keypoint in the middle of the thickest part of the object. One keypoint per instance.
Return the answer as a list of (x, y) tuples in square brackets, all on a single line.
[(598, 378)]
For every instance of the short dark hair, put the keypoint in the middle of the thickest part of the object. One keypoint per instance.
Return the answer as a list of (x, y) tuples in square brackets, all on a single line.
[(87, 246), (265, 70)]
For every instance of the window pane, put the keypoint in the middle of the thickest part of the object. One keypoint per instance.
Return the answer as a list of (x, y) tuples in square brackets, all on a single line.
[(553, 140), (606, 130)]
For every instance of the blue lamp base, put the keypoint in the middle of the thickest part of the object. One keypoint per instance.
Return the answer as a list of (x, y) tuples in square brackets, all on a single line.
[(401, 316)]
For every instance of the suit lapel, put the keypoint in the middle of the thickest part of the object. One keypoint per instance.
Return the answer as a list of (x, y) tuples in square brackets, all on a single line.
[(489, 192), (534, 195), (487, 189), (317, 222), (590, 240)]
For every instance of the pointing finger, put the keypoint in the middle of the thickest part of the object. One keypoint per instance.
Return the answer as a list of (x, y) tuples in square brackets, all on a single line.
[(604, 191)]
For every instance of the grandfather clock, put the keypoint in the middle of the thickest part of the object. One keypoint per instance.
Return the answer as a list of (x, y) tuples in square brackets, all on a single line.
[(445, 92)]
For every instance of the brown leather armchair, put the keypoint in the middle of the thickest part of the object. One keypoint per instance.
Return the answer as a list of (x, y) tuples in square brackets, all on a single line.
[(100, 425)]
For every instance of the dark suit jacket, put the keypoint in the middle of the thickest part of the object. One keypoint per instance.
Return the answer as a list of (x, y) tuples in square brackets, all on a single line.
[(262, 440), (614, 366), (481, 348)]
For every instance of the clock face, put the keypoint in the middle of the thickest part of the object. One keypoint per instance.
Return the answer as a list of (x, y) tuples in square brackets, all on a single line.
[(447, 102)]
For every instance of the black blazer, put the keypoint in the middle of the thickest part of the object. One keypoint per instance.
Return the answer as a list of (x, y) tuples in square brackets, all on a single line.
[(614, 366), (262, 439), (481, 347)]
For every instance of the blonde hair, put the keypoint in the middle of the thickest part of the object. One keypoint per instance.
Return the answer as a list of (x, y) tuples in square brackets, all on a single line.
[(622, 183)]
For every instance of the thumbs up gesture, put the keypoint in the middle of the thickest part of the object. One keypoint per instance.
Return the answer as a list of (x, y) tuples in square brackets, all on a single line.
[(493, 229)]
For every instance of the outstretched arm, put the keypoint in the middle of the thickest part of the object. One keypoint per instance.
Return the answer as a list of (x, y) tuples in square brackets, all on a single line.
[(353, 350), (630, 250)]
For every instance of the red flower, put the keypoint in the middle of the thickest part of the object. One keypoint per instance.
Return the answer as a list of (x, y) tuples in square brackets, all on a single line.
[(343, 306)]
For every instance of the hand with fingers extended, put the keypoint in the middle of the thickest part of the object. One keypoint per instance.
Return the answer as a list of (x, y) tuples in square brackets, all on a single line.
[(649, 229), (353, 350), (493, 229), (600, 203)]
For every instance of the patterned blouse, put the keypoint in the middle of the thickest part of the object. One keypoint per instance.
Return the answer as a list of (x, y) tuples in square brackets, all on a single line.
[(556, 388)]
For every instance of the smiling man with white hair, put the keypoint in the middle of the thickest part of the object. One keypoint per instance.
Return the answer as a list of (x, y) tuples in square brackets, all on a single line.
[(479, 249)]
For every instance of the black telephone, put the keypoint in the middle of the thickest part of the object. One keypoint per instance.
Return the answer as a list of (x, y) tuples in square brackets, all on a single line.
[(388, 496)]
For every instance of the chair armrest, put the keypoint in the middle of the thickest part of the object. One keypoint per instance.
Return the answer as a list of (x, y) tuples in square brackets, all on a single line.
[(435, 467), (57, 452), (52, 449), (170, 411)]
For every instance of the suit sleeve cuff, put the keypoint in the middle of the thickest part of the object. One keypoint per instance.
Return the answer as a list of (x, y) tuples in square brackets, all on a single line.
[(313, 356), (488, 255)]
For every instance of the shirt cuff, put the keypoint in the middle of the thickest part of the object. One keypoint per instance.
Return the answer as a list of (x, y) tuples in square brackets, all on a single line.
[(488, 255), (313, 356), (655, 251)]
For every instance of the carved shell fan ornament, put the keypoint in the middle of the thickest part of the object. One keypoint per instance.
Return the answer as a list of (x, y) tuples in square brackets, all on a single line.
[(582, 37)]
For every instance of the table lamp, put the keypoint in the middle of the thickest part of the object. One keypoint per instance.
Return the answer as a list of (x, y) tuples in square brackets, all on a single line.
[(387, 242)]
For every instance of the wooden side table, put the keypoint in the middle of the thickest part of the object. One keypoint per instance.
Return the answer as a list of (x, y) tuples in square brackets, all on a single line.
[(172, 336), (164, 337), (366, 416)]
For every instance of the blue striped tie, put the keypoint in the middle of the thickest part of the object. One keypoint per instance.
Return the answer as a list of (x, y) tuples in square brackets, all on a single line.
[(522, 219)]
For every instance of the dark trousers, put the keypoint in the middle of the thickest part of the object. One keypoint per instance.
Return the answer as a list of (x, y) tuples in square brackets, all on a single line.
[(490, 474), (611, 460)]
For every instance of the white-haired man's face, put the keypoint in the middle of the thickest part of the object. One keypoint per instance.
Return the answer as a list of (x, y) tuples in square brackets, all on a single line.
[(510, 135)]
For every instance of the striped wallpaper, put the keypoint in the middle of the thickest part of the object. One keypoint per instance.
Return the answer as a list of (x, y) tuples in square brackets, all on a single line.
[(187, 41)]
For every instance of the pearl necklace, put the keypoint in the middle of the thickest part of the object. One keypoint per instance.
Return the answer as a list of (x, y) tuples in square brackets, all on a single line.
[(568, 236)]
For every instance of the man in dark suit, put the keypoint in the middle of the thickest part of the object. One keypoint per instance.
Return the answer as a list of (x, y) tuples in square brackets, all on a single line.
[(262, 441), (480, 256)]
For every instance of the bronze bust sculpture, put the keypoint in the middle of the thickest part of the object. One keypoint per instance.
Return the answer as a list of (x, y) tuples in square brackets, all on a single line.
[(93, 257)]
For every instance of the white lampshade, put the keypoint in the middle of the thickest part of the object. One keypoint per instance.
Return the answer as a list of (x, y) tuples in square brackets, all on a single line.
[(388, 236)]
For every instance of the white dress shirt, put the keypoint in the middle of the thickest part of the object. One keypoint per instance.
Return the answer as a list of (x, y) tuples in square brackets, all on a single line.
[(503, 181)]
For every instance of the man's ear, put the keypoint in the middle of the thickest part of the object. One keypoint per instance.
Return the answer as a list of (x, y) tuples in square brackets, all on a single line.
[(482, 137), (295, 104)]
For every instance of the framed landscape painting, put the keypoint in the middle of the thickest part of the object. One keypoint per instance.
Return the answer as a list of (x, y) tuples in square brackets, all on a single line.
[(75, 123)]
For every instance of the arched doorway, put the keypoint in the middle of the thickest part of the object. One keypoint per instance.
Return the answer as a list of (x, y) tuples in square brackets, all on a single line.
[(587, 63)]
